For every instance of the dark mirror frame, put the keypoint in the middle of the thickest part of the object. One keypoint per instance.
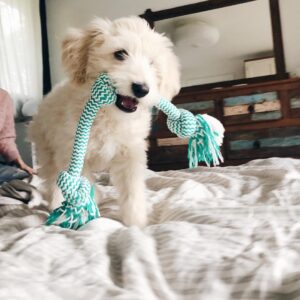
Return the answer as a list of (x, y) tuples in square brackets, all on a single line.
[(152, 16)]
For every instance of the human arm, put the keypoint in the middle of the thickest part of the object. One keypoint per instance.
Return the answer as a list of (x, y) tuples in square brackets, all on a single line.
[(8, 147)]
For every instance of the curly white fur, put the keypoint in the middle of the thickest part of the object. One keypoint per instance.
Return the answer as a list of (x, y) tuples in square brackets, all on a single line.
[(118, 139)]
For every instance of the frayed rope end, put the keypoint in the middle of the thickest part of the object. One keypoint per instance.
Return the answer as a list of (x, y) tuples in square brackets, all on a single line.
[(79, 206), (205, 143)]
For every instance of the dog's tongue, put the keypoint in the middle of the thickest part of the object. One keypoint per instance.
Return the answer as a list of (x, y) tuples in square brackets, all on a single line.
[(129, 102)]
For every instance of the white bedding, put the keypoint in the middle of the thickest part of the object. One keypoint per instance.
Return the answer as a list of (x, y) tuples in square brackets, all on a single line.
[(217, 234)]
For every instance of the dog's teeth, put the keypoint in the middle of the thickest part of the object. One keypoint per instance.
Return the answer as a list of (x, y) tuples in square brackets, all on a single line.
[(128, 102)]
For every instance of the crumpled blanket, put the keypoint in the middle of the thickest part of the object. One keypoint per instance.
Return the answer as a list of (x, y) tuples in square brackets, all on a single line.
[(214, 233)]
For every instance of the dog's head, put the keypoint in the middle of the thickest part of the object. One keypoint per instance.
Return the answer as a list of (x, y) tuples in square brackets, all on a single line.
[(139, 60)]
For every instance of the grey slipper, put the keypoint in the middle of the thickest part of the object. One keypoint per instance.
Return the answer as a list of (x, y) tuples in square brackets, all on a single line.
[(10, 191), (21, 185)]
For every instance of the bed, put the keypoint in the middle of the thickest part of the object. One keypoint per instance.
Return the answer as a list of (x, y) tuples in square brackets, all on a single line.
[(214, 233)]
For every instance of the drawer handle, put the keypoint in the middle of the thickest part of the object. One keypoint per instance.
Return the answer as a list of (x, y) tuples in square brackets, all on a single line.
[(256, 144), (251, 109)]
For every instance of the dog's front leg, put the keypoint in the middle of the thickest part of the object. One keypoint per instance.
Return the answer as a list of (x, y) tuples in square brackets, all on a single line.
[(128, 175)]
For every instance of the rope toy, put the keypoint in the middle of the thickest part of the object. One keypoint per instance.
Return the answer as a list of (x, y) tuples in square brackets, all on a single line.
[(79, 207)]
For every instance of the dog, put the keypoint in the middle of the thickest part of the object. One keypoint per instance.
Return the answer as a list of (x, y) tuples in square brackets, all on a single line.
[(144, 68)]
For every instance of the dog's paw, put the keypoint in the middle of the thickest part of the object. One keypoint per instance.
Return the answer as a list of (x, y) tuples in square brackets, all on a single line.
[(134, 214), (137, 220)]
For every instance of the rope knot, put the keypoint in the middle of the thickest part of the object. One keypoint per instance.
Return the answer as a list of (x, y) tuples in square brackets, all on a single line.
[(185, 126), (76, 190)]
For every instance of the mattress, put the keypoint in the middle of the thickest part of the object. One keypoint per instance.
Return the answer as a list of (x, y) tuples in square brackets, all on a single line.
[(213, 233)]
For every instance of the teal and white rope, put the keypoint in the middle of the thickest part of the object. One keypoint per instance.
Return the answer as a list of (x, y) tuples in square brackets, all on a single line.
[(203, 143), (79, 207)]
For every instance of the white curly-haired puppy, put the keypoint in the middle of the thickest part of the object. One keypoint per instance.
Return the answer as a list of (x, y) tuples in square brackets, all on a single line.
[(143, 66)]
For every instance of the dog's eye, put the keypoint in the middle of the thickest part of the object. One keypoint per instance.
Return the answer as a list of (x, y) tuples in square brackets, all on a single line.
[(120, 54)]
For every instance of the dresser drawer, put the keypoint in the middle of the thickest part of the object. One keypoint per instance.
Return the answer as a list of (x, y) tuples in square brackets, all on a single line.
[(263, 143), (159, 127), (252, 108), (295, 103), (168, 154), (200, 107)]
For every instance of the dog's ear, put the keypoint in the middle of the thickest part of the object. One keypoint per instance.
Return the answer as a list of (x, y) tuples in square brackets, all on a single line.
[(74, 54), (76, 45), (169, 72)]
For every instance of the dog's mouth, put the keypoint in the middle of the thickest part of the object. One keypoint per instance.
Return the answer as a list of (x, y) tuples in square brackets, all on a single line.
[(126, 103)]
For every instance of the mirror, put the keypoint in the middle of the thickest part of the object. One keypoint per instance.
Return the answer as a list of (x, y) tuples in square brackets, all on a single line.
[(221, 43)]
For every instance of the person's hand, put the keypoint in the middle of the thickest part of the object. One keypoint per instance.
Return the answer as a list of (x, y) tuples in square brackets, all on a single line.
[(23, 166)]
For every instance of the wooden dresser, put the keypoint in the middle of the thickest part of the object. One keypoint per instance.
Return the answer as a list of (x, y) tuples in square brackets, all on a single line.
[(261, 120)]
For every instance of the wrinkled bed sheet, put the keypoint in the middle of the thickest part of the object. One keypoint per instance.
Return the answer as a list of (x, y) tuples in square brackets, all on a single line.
[(218, 233)]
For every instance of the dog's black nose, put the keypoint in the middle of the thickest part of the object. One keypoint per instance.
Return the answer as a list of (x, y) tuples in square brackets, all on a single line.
[(140, 89)]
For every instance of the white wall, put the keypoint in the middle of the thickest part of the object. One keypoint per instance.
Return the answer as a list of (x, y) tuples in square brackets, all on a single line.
[(239, 39), (76, 13), (62, 14), (290, 19)]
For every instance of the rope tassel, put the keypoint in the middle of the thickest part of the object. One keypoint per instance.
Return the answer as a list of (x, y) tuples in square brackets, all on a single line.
[(204, 144)]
